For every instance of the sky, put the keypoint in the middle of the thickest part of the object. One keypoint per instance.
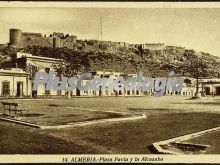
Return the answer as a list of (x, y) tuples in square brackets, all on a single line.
[(191, 28)]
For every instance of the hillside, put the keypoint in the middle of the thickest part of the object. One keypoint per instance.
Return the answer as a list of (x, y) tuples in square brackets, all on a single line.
[(152, 62)]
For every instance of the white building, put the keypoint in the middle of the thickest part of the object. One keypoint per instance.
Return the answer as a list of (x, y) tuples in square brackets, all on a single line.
[(17, 81), (29, 65), (14, 82), (210, 86)]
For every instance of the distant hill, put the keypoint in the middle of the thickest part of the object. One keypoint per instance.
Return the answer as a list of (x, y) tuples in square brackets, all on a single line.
[(152, 62)]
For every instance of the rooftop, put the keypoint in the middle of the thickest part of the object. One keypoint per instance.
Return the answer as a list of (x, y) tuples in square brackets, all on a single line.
[(30, 56), (12, 71)]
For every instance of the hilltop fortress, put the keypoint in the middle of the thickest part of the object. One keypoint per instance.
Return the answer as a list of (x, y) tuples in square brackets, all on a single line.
[(19, 39)]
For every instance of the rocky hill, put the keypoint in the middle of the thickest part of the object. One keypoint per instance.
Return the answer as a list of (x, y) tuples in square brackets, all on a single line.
[(152, 62)]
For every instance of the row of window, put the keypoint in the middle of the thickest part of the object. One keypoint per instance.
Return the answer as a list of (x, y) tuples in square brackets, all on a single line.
[(6, 88)]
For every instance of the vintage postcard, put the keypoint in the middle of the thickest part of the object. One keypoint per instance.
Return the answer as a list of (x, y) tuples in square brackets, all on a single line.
[(104, 82)]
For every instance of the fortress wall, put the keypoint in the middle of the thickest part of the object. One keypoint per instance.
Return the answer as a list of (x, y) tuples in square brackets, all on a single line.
[(21, 39), (69, 45), (154, 46), (24, 39), (69, 42), (34, 35), (36, 40), (92, 48), (176, 48)]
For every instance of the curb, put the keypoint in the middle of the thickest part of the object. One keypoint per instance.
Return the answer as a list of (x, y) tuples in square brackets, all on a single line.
[(94, 122), (157, 145), (20, 122), (74, 124)]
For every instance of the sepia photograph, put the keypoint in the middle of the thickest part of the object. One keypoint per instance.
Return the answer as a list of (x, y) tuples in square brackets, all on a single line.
[(100, 79)]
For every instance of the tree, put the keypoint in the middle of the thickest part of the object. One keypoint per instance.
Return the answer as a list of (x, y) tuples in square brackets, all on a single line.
[(197, 68), (67, 70), (73, 65)]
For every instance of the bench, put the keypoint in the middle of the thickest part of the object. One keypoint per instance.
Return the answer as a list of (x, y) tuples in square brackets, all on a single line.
[(8, 106)]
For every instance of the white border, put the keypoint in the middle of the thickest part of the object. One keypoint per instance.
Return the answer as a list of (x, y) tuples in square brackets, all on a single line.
[(113, 4), (59, 158)]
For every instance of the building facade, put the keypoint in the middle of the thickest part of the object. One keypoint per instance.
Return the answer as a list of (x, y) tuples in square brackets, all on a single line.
[(30, 64), (14, 82), (210, 86), (17, 76)]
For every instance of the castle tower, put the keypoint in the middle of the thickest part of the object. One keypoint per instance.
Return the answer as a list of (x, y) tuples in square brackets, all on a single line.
[(56, 42), (15, 38)]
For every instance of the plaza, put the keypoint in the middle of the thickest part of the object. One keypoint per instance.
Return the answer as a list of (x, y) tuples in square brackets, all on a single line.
[(167, 117)]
